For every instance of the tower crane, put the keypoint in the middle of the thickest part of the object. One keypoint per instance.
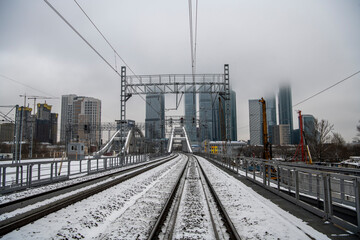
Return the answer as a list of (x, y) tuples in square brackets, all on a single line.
[(35, 97), (266, 154)]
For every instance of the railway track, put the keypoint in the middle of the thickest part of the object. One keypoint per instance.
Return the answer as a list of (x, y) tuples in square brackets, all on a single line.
[(193, 211), (82, 190)]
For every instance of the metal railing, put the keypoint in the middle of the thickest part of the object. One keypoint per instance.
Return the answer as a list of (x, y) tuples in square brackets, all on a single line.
[(19, 176), (332, 196)]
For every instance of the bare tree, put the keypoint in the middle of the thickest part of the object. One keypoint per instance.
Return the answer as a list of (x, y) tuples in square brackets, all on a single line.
[(337, 139), (320, 138)]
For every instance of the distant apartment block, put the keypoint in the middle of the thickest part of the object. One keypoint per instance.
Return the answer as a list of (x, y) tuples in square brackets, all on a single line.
[(282, 134), (80, 120), (45, 124)]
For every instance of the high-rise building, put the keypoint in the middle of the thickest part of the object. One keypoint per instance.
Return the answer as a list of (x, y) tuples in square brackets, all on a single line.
[(66, 122), (233, 119), (271, 115), (285, 107), (281, 134), (308, 125), (205, 116), (217, 135), (155, 116), (190, 114), (46, 124), (7, 132), (255, 122), (27, 125), (80, 120)]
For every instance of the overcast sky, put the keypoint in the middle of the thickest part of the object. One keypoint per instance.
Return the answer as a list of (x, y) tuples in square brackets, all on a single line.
[(311, 43)]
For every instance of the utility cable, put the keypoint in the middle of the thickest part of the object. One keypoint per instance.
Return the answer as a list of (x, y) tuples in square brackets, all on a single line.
[(63, 18), (116, 53), (343, 80), (25, 85), (92, 22)]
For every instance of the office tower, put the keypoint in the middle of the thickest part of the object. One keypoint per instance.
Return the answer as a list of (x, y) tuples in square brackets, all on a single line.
[(46, 124), (205, 116), (80, 120), (285, 107), (255, 122), (216, 131), (282, 134), (233, 119), (155, 116), (190, 114), (66, 121), (308, 125), (271, 115)]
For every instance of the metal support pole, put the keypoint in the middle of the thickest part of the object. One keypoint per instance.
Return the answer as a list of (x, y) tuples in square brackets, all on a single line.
[(357, 201), (122, 110), (297, 187), (227, 101)]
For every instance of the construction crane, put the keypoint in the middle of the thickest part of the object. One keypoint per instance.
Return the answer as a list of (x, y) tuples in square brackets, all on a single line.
[(301, 144), (32, 124), (35, 97), (266, 154)]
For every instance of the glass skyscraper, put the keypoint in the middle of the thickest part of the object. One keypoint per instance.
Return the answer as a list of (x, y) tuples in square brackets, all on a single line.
[(155, 116), (271, 115), (190, 114), (233, 118), (255, 122), (285, 107), (205, 116)]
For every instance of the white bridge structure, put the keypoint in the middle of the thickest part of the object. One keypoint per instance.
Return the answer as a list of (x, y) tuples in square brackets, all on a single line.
[(132, 140), (179, 136)]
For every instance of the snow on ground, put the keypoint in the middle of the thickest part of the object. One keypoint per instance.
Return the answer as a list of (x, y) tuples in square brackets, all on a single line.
[(93, 216), (254, 216), (193, 219), (41, 189)]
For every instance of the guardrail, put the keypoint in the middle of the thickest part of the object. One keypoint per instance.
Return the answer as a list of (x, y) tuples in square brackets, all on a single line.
[(326, 194), (19, 176)]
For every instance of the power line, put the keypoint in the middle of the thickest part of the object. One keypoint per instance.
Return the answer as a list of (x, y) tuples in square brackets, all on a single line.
[(53, 8), (343, 80), (63, 18), (25, 85), (92, 22)]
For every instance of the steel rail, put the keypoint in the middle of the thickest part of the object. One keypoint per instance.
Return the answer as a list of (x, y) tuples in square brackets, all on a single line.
[(154, 234), (23, 219), (207, 200), (25, 201), (227, 221)]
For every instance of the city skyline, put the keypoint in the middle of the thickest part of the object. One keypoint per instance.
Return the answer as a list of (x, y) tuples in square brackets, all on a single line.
[(311, 44)]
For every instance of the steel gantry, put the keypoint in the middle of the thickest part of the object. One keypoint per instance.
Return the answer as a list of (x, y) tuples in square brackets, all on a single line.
[(178, 84)]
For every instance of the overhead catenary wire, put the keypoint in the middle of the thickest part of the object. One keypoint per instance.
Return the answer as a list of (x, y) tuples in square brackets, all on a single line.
[(103, 36), (25, 85), (337, 83), (93, 48)]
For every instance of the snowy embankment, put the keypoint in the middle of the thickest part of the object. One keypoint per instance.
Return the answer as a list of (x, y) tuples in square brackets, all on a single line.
[(49, 187), (254, 216), (121, 212)]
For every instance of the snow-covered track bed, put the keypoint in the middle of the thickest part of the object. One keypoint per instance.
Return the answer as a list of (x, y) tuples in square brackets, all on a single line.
[(195, 212), (18, 213), (253, 216)]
